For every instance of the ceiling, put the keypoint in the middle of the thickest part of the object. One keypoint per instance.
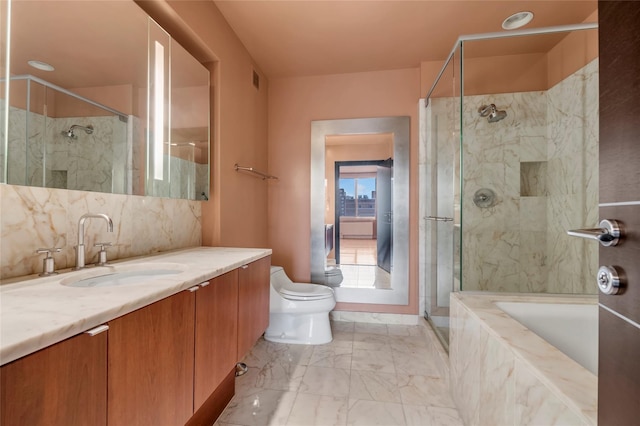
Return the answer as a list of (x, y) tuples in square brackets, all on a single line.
[(298, 38), (103, 43)]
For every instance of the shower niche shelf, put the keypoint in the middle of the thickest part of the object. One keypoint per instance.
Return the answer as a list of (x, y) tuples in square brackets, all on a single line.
[(533, 179)]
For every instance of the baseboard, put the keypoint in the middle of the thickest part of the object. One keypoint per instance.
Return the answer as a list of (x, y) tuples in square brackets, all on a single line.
[(374, 318)]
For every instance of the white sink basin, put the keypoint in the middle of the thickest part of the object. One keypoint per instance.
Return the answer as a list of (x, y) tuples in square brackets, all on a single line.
[(108, 276)]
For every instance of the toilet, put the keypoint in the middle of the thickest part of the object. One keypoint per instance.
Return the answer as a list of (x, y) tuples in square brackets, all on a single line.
[(298, 313), (333, 276)]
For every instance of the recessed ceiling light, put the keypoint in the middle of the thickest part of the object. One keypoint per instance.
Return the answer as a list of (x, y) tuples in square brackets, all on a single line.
[(517, 20), (41, 65)]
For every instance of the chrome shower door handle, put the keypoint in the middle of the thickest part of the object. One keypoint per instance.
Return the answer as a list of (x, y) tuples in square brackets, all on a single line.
[(609, 233), (439, 218)]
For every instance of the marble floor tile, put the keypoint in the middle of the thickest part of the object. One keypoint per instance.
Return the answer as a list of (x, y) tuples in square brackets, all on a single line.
[(364, 327), (368, 413), (278, 375), (425, 390), (335, 355), (371, 342), (363, 377), (325, 381), (261, 408), (320, 410), (345, 326), (380, 361), (374, 386), (420, 415), (415, 363), (404, 330)]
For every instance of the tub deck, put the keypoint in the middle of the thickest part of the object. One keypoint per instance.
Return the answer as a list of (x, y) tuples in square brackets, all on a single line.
[(503, 373)]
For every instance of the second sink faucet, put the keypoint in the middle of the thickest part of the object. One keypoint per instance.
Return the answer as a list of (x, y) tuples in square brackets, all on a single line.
[(80, 247)]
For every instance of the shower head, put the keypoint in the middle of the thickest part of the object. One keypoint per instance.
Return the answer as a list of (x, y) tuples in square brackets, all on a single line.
[(492, 112), (497, 116), (70, 133)]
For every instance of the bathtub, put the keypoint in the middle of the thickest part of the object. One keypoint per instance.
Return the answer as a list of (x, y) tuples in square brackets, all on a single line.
[(524, 359), (571, 328)]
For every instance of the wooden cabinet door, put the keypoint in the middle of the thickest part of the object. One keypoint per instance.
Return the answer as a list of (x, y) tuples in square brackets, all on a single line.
[(216, 334), (64, 384), (253, 303), (151, 364)]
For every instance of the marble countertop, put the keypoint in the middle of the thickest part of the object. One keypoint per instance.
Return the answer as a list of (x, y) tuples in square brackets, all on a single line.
[(39, 312)]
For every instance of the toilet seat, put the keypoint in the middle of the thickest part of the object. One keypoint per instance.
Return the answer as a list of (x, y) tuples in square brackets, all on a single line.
[(301, 298), (314, 292)]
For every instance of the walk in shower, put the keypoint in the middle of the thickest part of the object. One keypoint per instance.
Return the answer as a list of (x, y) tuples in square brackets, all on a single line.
[(509, 160), (58, 139)]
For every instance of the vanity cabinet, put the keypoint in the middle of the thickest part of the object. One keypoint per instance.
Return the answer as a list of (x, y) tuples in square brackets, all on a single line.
[(216, 334), (64, 384), (151, 364), (168, 363), (253, 303)]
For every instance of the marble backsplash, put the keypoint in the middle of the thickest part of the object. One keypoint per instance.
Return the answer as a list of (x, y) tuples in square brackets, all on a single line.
[(33, 218)]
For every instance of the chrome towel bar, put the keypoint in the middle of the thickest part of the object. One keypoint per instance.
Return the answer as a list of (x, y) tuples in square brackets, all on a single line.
[(255, 172)]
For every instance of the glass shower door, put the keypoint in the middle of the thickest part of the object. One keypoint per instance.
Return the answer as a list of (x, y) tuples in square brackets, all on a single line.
[(442, 207)]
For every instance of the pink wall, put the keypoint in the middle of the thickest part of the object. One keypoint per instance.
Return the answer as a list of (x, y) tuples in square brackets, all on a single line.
[(293, 104), (236, 214)]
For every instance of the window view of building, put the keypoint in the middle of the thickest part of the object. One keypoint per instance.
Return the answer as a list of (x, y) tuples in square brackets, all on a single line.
[(357, 197)]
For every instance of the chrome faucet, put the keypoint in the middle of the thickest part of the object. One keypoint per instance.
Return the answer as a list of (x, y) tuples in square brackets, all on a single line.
[(80, 247)]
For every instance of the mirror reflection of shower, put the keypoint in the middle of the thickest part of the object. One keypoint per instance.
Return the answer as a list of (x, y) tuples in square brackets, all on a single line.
[(71, 134), (492, 112)]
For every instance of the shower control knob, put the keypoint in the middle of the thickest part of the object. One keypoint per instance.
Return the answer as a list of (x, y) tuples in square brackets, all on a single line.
[(610, 280)]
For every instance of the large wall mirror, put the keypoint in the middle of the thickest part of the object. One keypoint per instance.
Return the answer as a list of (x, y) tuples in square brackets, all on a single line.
[(360, 208), (100, 98)]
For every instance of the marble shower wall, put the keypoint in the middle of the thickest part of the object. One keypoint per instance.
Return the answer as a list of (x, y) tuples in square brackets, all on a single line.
[(86, 163), (572, 181), (33, 218), (542, 163), (110, 160)]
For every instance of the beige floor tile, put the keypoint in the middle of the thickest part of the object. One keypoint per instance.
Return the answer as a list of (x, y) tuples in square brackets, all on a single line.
[(374, 386), (363, 327), (425, 390), (261, 408), (336, 355), (386, 379), (325, 381), (380, 361), (320, 410), (419, 415), (375, 413), (278, 375)]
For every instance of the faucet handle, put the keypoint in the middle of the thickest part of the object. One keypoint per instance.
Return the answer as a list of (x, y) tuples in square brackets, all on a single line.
[(102, 255), (48, 263)]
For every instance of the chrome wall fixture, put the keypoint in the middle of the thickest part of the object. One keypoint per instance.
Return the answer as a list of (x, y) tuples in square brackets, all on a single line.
[(70, 133), (492, 113), (484, 198), (262, 175)]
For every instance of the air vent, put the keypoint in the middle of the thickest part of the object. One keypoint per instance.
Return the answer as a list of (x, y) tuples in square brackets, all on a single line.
[(256, 80)]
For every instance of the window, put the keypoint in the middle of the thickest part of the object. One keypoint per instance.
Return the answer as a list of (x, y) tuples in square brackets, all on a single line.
[(357, 197)]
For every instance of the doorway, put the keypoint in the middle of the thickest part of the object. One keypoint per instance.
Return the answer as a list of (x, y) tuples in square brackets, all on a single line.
[(364, 222)]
